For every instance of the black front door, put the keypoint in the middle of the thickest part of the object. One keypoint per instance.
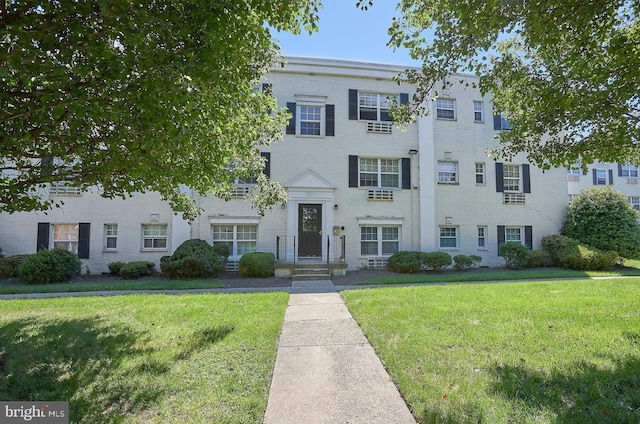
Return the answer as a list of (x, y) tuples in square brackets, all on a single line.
[(309, 230)]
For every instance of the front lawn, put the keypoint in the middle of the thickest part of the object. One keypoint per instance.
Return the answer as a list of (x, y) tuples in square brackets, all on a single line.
[(535, 352), (143, 358)]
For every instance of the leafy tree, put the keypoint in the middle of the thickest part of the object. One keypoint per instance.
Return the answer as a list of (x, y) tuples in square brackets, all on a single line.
[(138, 96), (565, 73), (601, 217)]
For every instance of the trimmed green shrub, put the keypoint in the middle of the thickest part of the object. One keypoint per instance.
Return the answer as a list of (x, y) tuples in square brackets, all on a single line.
[(404, 261), (137, 269), (602, 217), (257, 264), (49, 267), (538, 259), (558, 245), (515, 254), (462, 262), (9, 265), (434, 261), (222, 250), (195, 259), (115, 267), (569, 253)]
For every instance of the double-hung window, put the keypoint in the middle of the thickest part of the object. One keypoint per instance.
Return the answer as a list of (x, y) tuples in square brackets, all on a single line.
[(379, 240), (513, 234), (380, 173), (478, 111), (448, 237), (110, 236), (373, 106), (482, 237), (627, 170), (601, 177), (447, 172), (635, 202), (512, 178), (154, 236), (66, 236), (480, 173), (446, 109), (310, 120), (239, 238)]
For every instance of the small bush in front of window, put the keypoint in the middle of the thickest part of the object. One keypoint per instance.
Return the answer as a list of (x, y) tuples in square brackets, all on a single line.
[(404, 261), (435, 261), (257, 264), (515, 254), (462, 262), (194, 258), (538, 259), (49, 267), (137, 269), (115, 267), (9, 265)]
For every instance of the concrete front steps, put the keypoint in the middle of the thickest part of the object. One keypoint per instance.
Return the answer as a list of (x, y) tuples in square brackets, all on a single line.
[(310, 272)]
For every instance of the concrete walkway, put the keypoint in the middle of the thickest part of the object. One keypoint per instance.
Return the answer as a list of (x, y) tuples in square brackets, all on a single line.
[(326, 371)]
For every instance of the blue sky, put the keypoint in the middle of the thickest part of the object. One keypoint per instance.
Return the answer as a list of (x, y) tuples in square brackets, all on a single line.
[(346, 32)]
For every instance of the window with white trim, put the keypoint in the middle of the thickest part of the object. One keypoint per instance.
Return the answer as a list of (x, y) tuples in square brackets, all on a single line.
[(482, 237), (574, 170), (478, 111), (446, 109), (601, 177), (627, 170), (379, 240), (154, 236), (110, 236), (239, 238), (512, 181), (66, 236), (380, 173), (635, 202), (513, 234), (311, 122), (448, 237), (480, 173), (373, 106), (447, 172)]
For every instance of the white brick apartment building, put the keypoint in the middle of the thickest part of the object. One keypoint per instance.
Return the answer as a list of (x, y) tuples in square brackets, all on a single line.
[(358, 187), (621, 177)]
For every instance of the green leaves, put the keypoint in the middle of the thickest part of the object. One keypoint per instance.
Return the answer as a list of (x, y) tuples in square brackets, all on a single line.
[(146, 96)]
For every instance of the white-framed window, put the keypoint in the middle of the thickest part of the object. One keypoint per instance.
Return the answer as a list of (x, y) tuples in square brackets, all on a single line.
[(380, 173), (447, 172), (373, 106), (448, 237), (627, 170), (635, 202), (574, 170), (571, 197), (379, 240), (154, 236), (311, 120), (478, 111), (512, 178), (239, 238), (446, 109), (482, 237), (480, 173), (513, 234), (110, 236), (66, 236), (601, 177)]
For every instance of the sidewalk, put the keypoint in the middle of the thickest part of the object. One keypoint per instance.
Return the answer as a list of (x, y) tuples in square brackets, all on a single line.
[(326, 371)]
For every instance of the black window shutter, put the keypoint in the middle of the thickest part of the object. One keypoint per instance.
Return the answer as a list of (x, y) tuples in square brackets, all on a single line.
[(84, 229), (528, 236), (353, 171), (499, 177), (42, 242), (595, 176), (291, 126), (526, 178), (620, 170), (267, 163), (353, 104), (330, 121), (500, 236), (497, 122), (404, 98), (611, 177), (406, 173)]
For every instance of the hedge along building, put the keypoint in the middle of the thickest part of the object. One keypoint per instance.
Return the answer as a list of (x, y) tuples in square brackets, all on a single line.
[(359, 189)]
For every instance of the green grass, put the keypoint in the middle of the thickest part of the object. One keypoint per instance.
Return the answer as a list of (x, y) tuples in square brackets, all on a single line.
[(143, 358), (160, 284), (497, 274), (535, 352)]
